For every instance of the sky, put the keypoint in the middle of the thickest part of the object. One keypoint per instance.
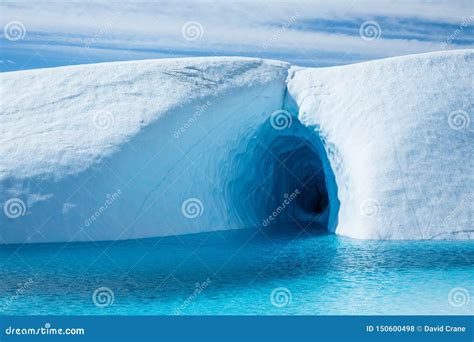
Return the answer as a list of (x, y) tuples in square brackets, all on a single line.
[(42, 34)]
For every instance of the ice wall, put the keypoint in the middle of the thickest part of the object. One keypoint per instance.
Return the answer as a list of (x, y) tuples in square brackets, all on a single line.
[(153, 148), (128, 150), (400, 142)]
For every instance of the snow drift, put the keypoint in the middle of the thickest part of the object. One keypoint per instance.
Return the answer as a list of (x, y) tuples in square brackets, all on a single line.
[(112, 151)]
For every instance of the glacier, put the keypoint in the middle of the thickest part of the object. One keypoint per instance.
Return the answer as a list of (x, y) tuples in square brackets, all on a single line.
[(127, 150)]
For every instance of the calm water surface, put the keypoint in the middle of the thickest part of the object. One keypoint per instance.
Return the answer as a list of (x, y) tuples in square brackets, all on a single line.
[(277, 271)]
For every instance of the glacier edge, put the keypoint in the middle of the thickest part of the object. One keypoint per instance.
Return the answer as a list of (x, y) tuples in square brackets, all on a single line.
[(361, 144)]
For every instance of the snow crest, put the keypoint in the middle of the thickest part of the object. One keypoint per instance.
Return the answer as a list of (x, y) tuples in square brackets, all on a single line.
[(379, 150)]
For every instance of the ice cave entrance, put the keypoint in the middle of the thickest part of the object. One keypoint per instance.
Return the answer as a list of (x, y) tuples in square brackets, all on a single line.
[(284, 178)]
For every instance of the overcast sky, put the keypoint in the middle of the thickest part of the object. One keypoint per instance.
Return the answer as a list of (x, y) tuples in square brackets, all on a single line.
[(40, 34)]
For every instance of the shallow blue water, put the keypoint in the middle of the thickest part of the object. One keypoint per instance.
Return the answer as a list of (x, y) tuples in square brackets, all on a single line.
[(235, 272)]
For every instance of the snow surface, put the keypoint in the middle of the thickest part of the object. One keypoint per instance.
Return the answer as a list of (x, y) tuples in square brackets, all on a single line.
[(399, 142), (163, 147)]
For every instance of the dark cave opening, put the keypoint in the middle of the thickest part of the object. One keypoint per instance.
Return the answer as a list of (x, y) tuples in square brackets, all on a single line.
[(299, 168), (282, 177)]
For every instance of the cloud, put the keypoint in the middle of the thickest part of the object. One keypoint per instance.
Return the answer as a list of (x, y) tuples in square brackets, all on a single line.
[(303, 32)]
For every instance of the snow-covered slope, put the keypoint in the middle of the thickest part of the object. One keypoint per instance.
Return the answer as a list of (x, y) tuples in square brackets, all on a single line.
[(400, 142), (152, 148)]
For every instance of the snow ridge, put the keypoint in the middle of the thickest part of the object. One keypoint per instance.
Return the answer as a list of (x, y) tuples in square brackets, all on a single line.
[(379, 150)]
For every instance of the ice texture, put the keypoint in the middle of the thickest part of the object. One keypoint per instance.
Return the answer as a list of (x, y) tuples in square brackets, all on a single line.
[(379, 150), (399, 139)]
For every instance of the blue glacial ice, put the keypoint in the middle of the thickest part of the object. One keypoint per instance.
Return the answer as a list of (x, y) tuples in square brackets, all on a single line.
[(377, 150)]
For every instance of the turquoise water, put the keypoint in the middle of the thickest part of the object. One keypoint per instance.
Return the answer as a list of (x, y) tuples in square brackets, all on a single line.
[(235, 272)]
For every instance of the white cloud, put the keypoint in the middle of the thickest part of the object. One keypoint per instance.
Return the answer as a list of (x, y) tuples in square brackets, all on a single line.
[(243, 28)]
